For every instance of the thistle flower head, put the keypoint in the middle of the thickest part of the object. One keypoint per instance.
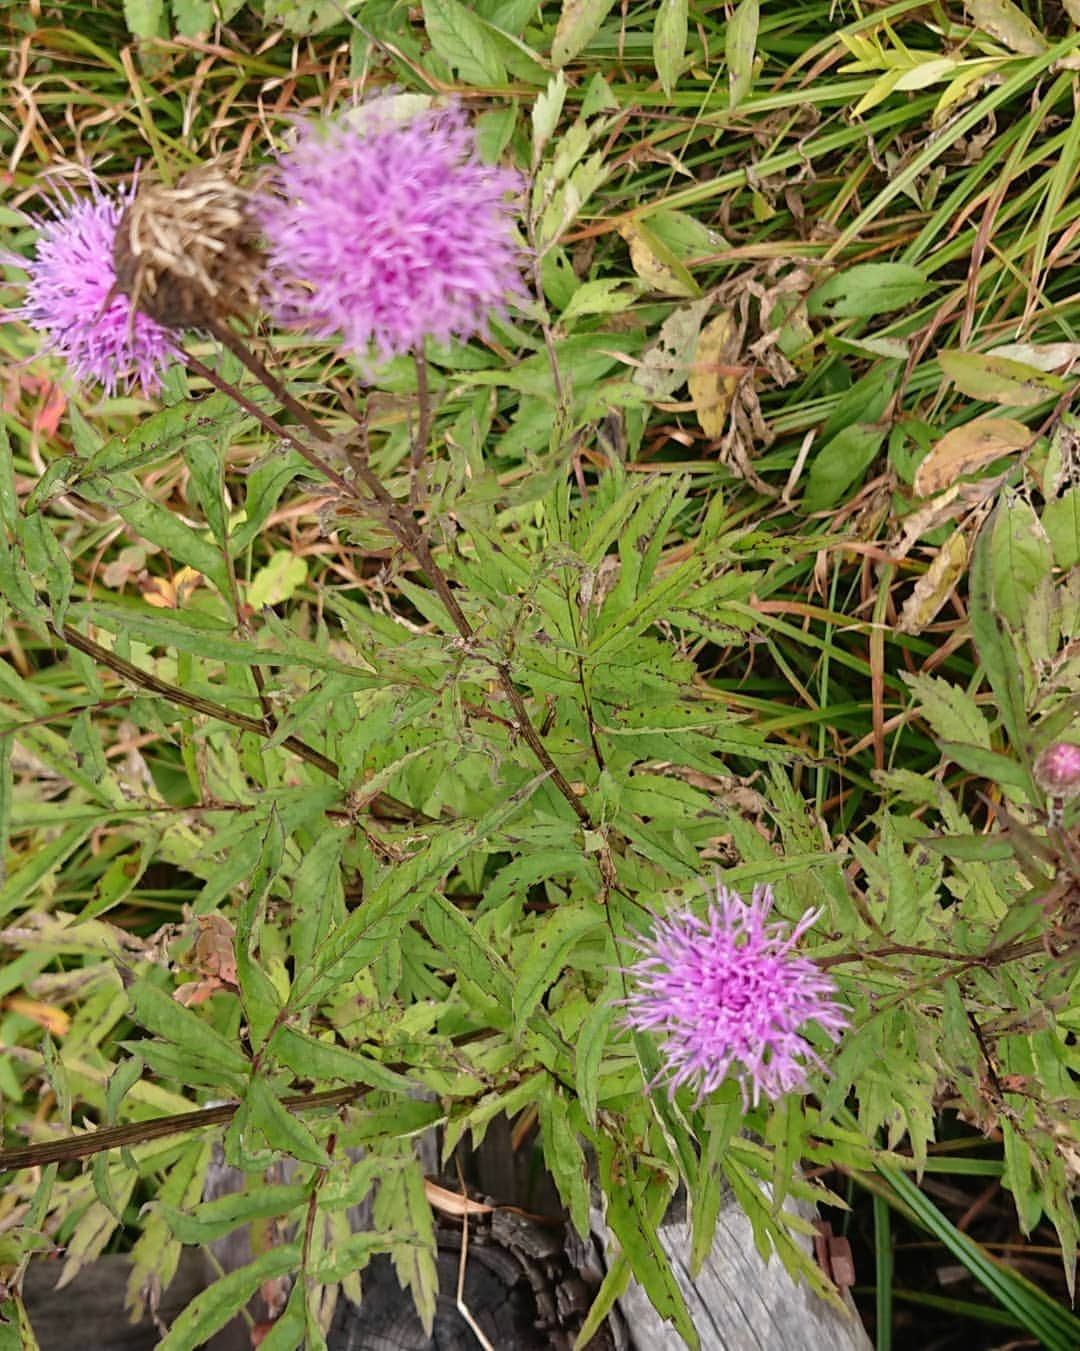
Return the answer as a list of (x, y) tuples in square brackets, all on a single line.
[(1057, 769), (728, 996), (388, 232), (71, 298)]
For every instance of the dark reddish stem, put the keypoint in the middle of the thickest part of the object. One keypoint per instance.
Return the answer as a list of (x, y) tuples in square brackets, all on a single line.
[(399, 520)]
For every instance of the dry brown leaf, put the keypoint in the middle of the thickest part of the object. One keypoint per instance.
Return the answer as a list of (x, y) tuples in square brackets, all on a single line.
[(1009, 24), (453, 1203), (665, 364), (655, 264), (212, 958), (936, 585), (966, 448), (714, 377)]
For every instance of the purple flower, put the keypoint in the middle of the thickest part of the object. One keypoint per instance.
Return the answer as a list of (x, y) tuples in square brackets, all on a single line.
[(69, 298), (390, 232), (728, 996)]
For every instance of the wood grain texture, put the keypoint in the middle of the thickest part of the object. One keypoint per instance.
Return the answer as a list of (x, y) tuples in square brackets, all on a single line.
[(522, 1299), (738, 1302)]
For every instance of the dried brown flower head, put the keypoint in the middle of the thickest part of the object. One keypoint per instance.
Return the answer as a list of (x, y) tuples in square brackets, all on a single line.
[(188, 255)]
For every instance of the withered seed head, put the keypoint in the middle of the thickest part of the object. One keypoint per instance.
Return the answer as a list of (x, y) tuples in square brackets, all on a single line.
[(188, 255)]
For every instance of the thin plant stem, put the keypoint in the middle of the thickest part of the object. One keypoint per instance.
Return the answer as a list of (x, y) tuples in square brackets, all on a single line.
[(398, 519), (139, 1132), (260, 727), (423, 429)]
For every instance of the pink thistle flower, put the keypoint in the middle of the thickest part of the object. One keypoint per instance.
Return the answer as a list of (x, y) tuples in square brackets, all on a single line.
[(1057, 769), (71, 298), (727, 995), (390, 232)]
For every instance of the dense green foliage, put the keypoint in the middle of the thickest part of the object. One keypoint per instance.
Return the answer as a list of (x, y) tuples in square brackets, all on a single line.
[(753, 545)]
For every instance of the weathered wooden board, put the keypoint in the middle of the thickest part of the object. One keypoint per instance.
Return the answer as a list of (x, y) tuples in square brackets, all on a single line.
[(88, 1314), (737, 1301)]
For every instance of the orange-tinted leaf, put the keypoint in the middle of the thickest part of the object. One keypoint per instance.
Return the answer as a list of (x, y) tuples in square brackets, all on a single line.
[(967, 448)]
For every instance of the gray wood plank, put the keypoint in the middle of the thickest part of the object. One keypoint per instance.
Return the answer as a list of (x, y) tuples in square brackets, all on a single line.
[(737, 1301), (88, 1313)]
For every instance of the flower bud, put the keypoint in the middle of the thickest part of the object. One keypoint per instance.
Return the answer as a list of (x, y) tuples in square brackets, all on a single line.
[(1057, 770)]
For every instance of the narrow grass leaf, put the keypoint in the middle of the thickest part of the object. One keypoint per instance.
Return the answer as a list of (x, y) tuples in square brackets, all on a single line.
[(669, 41), (740, 45)]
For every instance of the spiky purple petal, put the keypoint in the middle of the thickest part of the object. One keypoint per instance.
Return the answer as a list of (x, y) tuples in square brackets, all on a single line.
[(390, 232), (727, 995), (70, 280)]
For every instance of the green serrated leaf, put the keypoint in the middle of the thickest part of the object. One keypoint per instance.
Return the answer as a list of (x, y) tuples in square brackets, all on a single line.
[(590, 1044), (546, 111), (283, 1129), (635, 1207), (464, 42), (214, 1219), (212, 1308), (401, 890), (311, 1058), (123, 1078), (547, 954), (402, 1209), (194, 18), (145, 18), (564, 1156), (185, 1030), (952, 713)]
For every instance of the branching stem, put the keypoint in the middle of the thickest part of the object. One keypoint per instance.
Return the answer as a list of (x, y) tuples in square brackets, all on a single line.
[(398, 519)]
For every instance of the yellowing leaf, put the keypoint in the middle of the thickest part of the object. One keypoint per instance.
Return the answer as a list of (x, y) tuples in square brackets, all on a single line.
[(1010, 25), (714, 378), (277, 581), (164, 593), (936, 585), (666, 364), (997, 379), (48, 1016), (966, 448), (966, 85), (655, 263), (578, 24), (931, 71)]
